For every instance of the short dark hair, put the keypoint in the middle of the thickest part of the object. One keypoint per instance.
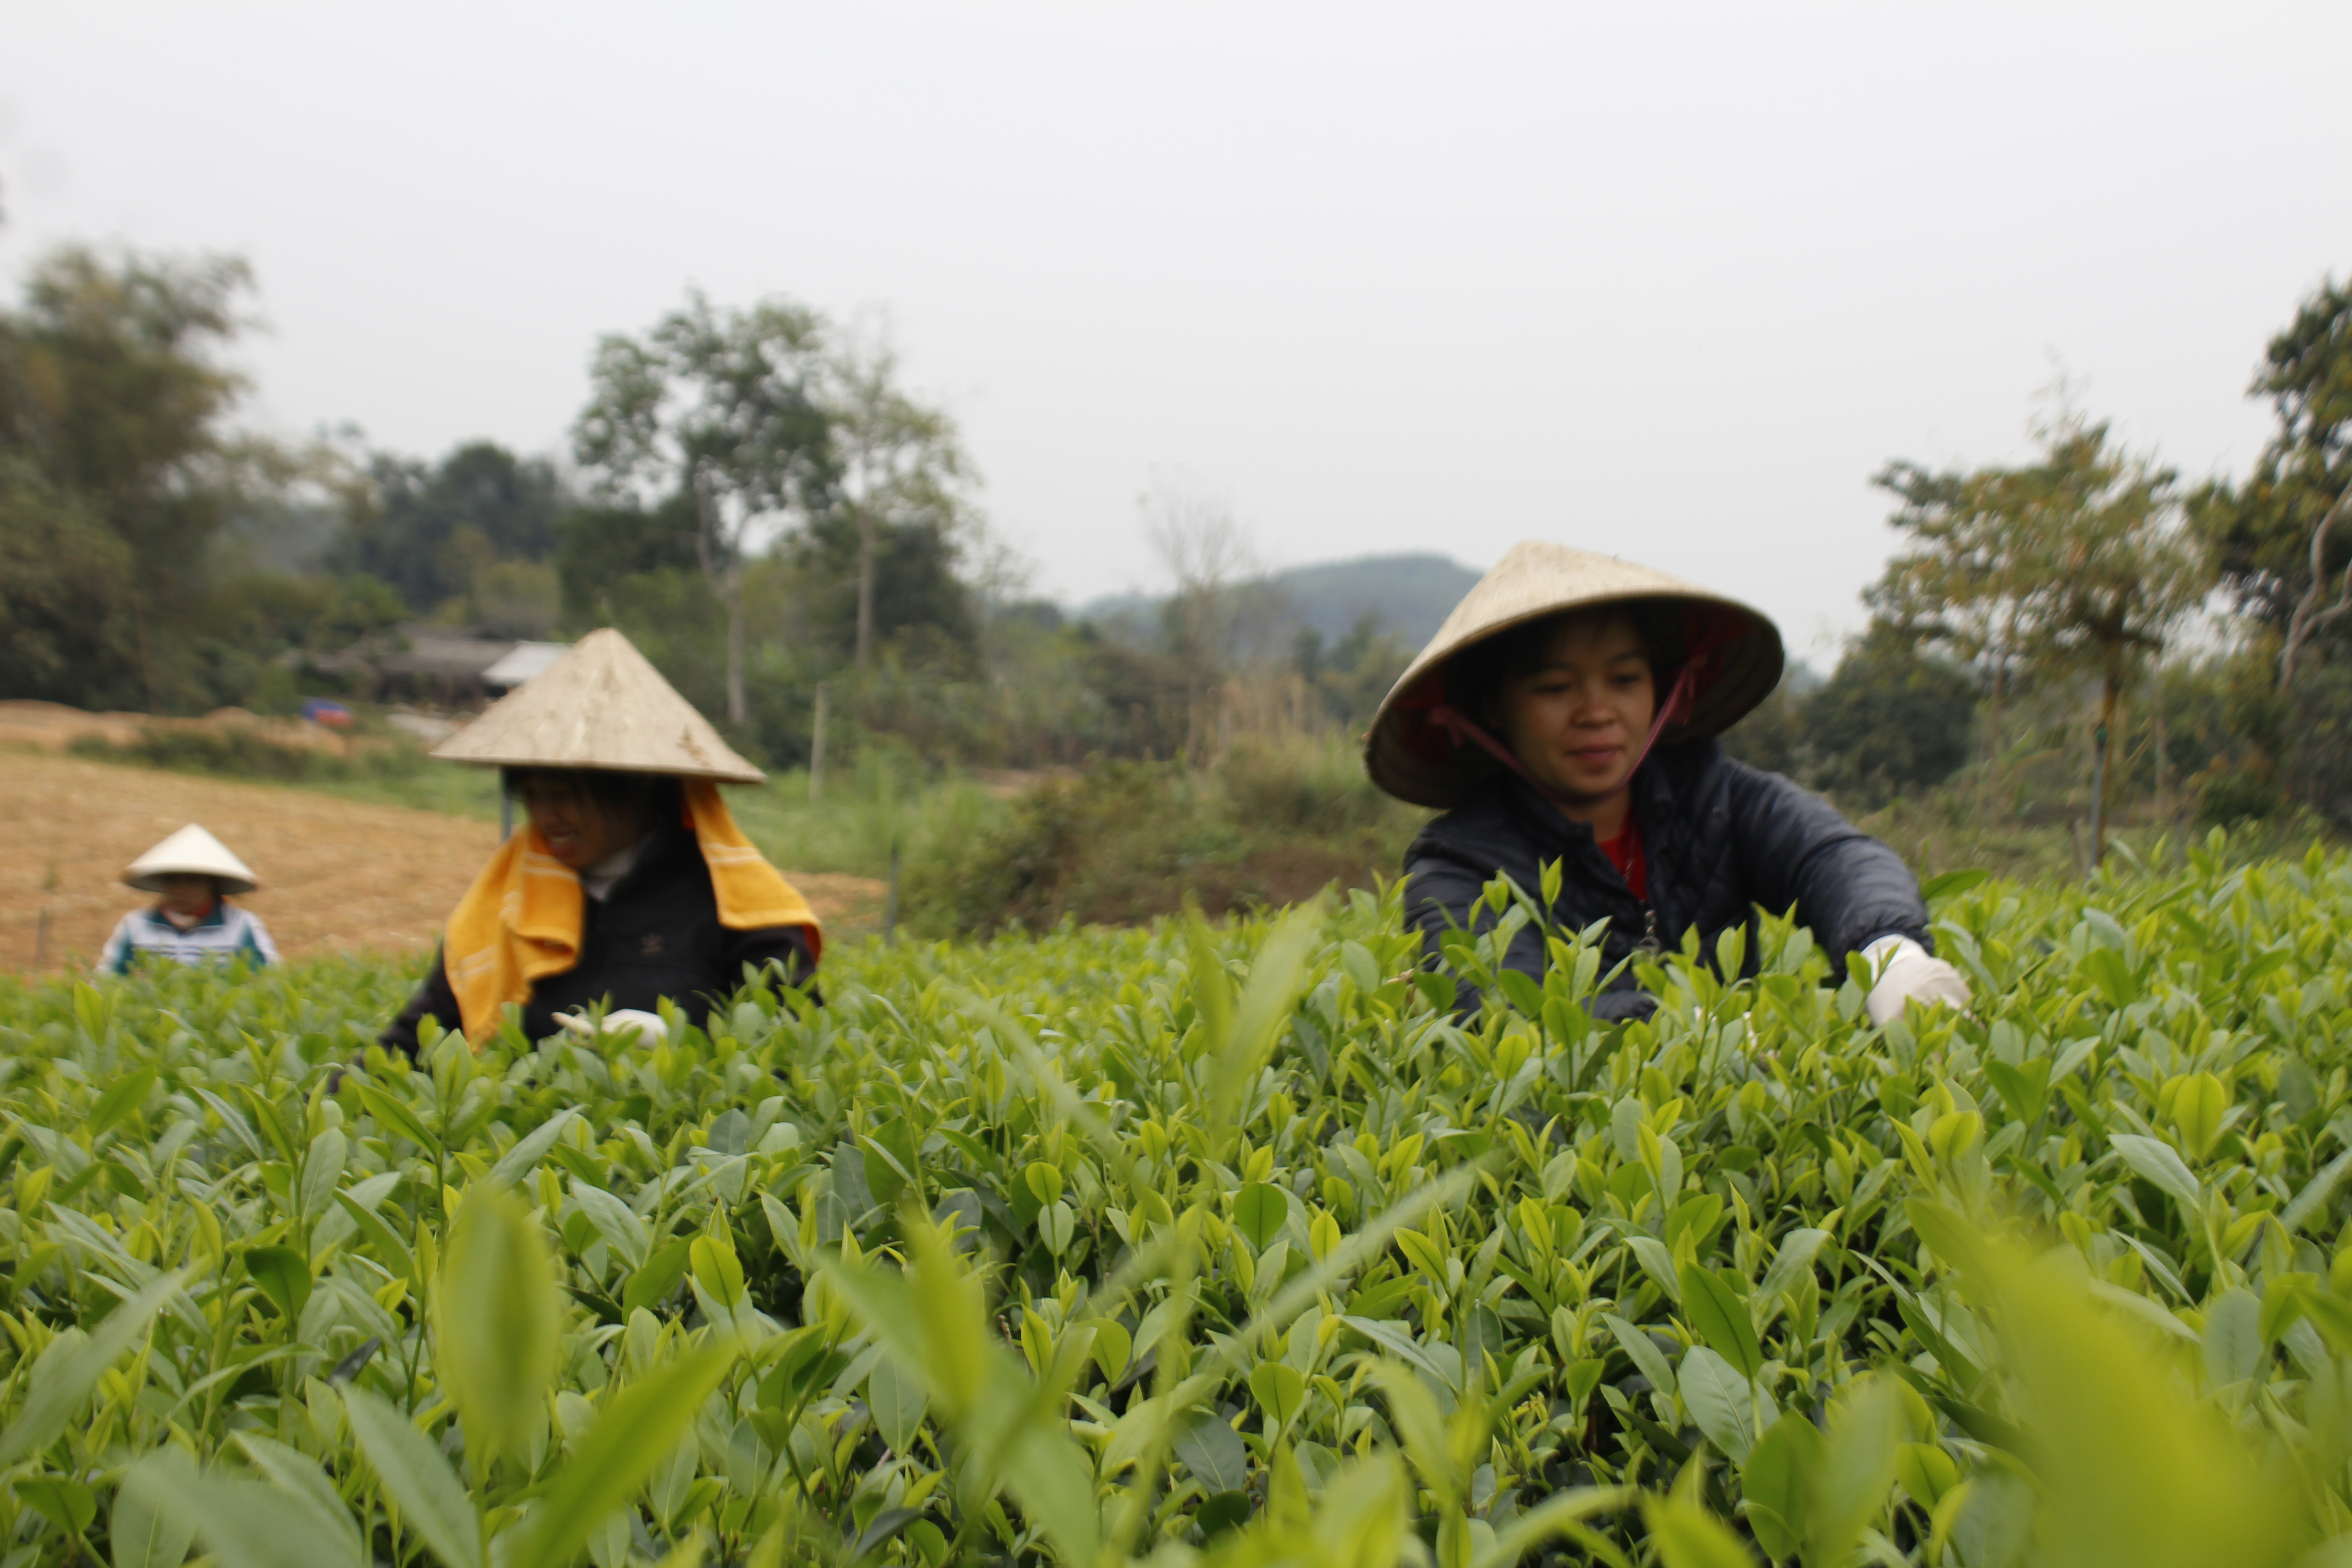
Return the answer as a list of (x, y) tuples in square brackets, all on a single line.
[(653, 796), (1478, 673)]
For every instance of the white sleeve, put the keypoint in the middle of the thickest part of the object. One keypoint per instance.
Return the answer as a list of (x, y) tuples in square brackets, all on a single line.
[(115, 956), (259, 934)]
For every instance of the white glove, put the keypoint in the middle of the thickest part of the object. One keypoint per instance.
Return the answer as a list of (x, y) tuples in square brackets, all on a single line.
[(621, 1027), (1908, 972)]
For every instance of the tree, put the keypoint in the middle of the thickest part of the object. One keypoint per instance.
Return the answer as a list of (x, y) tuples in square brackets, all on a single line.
[(65, 584), (597, 547), (1889, 720), (909, 589), (435, 529), (2278, 539), (2077, 563), (110, 393), (900, 463), (1954, 588), (720, 405)]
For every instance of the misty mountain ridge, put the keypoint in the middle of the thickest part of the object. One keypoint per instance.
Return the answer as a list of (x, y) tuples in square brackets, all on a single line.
[(1410, 594)]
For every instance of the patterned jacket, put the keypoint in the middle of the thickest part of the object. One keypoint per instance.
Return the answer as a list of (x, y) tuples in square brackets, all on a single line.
[(227, 933)]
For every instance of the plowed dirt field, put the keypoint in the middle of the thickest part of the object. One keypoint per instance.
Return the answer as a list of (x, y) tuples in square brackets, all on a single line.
[(337, 876)]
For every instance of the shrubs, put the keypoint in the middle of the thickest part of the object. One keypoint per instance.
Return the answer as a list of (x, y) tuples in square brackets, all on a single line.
[(234, 751), (1125, 841)]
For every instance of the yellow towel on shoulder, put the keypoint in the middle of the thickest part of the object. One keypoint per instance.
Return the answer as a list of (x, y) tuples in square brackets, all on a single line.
[(520, 920)]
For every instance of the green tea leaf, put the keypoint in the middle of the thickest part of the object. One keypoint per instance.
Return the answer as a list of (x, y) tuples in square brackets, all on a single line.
[(897, 1400), (523, 1159), (2155, 1159), (70, 1368), (2130, 1472), (1111, 1349), (1561, 1513), (1658, 1263), (652, 1284), (2197, 1107), (1952, 884), (1280, 1391), (1652, 1361), (62, 1500), (394, 1117), (1721, 1319), (2233, 1340), (889, 1160), (498, 1330), (1261, 1210), (1212, 1451), (432, 1499), (244, 1523), (391, 1251), (126, 1095), (1799, 1247), (1687, 1536), (322, 1168), (1855, 1468), (2318, 1194), (1777, 1482), (716, 1269), (284, 1276), (1717, 1397), (639, 1427), (618, 1223), (143, 1534), (298, 1476)]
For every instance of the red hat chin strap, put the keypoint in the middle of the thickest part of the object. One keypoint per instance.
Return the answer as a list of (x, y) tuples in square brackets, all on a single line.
[(1461, 727)]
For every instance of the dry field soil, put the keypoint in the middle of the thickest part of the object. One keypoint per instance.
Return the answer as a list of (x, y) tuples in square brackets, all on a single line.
[(337, 876)]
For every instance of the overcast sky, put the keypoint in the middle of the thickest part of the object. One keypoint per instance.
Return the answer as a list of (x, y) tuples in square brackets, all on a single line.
[(1671, 284)]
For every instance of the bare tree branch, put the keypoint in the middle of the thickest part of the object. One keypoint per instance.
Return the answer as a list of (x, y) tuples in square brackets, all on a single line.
[(2309, 616)]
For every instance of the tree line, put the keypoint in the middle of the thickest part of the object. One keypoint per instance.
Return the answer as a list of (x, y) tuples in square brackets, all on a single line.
[(757, 497), (2086, 633), (754, 493)]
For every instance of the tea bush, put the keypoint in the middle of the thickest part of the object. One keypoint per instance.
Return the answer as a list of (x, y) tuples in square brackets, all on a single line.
[(1228, 1245)]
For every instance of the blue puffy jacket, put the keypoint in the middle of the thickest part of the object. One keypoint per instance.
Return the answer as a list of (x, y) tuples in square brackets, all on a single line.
[(1720, 839)]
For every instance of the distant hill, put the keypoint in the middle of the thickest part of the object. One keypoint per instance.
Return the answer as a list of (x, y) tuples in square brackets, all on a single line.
[(1410, 594)]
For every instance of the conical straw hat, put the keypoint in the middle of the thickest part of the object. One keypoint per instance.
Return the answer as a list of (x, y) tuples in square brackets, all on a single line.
[(599, 706), (189, 852), (1414, 759)]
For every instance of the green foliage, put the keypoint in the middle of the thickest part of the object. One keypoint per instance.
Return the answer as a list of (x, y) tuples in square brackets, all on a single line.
[(1129, 841), (116, 466), (1188, 1242), (234, 752), (1889, 720), (441, 531), (2259, 531), (67, 632)]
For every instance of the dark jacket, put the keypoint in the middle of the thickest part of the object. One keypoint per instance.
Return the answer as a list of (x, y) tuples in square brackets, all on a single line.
[(658, 935), (1720, 839)]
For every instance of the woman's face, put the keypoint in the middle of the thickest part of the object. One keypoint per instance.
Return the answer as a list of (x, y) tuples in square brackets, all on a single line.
[(190, 898), (1577, 718), (579, 830)]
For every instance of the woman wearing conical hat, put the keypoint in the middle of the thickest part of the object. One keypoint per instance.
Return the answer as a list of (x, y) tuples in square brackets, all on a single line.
[(1567, 711), (630, 884), (194, 875)]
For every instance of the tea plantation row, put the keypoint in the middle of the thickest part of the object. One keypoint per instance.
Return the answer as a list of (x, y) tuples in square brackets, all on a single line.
[(1226, 1244)]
